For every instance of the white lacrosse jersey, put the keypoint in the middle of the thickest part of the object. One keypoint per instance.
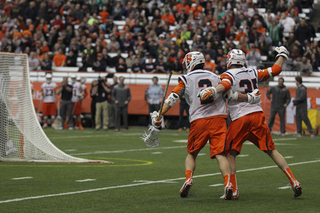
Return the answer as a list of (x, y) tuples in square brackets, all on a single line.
[(196, 81), (77, 90), (244, 80), (49, 95)]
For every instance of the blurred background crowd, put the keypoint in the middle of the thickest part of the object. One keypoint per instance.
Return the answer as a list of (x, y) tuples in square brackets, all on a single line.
[(152, 36)]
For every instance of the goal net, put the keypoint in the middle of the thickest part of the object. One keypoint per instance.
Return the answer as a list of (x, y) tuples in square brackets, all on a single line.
[(21, 136)]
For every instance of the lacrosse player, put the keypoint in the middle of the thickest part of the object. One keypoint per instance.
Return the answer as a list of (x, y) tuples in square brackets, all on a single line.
[(48, 91), (248, 120), (207, 119), (77, 96)]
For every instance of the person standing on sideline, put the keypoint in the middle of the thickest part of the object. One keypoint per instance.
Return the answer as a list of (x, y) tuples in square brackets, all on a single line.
[(154, 95), (102, 104), (279, 101), (48, 91), (93, 95), (300, 102), (248, 120), (77, 96), (111, 104), (65, 90), (121, 96), (184, 106)]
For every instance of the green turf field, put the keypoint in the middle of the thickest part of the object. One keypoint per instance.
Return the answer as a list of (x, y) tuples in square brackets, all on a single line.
[(146, 179)]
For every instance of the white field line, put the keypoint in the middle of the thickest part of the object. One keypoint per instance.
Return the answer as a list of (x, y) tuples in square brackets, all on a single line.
[(218, 184), (21, 178), (159, 148), (130, 150), (85, 180), (285, 187), (98, 136), (145, 183)]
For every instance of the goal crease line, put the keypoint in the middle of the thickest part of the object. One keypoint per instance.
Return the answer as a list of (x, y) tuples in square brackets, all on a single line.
[(145, 183)]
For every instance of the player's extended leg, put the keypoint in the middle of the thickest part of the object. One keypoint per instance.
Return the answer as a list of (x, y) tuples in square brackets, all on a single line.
[(281, 162), (190, 166), (225, 170), (45, 122)]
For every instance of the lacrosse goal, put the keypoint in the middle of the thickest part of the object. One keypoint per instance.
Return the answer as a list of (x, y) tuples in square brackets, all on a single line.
[(21, 136)]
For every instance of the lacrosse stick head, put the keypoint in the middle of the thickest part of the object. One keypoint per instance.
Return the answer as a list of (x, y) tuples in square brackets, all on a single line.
[(57, 123), (152, 138)]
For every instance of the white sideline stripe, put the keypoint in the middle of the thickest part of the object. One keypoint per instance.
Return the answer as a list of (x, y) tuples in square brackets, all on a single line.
[(130, 150), (218, 184), (202, 154), (180, 141), (21, 178), (285, 187), (288, 157), (141, 184), (156, 153), (85, 180)]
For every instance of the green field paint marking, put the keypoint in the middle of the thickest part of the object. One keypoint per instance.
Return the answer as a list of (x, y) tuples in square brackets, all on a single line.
[(142, 184), (21, 178)]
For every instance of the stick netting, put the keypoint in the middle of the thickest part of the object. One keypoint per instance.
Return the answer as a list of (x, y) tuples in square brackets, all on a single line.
[(21, 136)]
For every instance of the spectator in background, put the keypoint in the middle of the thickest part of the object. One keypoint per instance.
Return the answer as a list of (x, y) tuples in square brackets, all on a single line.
[(314, 62), (111, 109), (154, 95), (102, 104), (121, 95), (254, 35), (115, 59), (65, 90), (121, 66), (71, 60), (107, 58), (113, 45), (127, 44), (274, 32), (280, 99), (287, 22), (184, 106), (46, 63), (149, 65), (300, 102), (130, 59), (93, 94), (209, 65), (304, 67), (253, 57), (303, 32), (263, 46), (136, 67), (33, 61), (99, 65), (168, 18), (59, 60), (161, 66)]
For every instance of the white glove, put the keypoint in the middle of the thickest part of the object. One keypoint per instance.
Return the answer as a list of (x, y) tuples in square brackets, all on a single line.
[(282, 51), (206, 93), (254, 97), (155, 119), (231, 95)]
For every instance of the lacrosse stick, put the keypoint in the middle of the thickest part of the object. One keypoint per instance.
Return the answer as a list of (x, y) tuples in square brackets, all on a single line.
[(152, 138), (38, 110), (58, 120)]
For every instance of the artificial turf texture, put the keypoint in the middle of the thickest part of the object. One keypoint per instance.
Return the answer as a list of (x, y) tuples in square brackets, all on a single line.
[(143, 179)]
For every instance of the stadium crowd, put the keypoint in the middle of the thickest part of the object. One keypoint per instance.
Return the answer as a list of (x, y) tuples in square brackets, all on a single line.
[(156, 34)]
